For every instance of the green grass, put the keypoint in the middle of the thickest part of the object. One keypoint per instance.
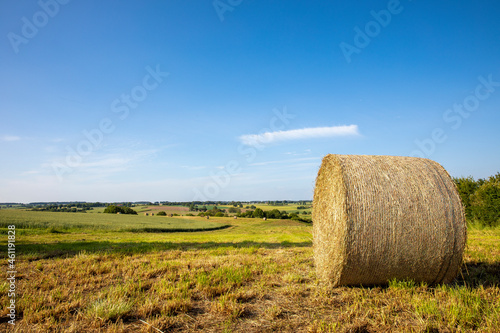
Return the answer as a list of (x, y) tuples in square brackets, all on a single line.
[(58, 222), (253, 276), (288, 208)]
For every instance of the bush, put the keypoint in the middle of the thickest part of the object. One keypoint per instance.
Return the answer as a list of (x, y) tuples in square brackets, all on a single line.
[(161, 213), (485, 204), (112, 209), (481, 199), (219, 214), (273, 214), (466, 188), (258, 213)]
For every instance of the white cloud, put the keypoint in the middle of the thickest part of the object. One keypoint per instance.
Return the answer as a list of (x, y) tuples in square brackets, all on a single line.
[(57, 140), (10, 138), (297, 134), (289, 161), (31, 172), (193, 167)]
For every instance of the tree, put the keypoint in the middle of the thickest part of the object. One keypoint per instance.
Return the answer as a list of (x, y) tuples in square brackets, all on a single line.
[(485, 203), (112, 209), (127, 210), (273, 214), (466, 188), (259, 213)]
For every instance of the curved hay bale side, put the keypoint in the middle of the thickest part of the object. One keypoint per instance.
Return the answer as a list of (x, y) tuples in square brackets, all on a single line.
[(376, 218)]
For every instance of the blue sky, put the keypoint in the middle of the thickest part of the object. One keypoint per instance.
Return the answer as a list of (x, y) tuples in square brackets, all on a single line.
[(238, 100)]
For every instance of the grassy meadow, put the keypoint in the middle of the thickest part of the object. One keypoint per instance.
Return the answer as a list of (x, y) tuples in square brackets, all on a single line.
[(81, 272)]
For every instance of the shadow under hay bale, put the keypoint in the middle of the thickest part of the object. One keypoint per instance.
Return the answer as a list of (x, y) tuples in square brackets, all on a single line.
[(377, 218)]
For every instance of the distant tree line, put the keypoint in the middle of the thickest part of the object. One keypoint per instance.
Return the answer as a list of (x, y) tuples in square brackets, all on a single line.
[(273, 214), (257, 213), (112, 209), (80, 207), (481, 199)]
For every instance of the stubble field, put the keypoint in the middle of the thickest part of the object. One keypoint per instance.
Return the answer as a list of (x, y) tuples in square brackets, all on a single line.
[(253, 276)]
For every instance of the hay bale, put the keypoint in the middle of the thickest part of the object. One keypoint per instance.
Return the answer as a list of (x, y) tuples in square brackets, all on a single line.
[(377, 218)]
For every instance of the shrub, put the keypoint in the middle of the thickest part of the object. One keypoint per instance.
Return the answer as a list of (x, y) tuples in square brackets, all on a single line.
[(161, 213), (486, 204), (112, 209), (258, 213)]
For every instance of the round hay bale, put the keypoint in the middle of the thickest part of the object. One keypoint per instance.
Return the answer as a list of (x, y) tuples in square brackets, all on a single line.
[(377, 218)]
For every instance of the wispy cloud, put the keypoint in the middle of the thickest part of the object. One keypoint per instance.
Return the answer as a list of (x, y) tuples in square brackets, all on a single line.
[(193, 167), (10, 138), (298, 134), (31, 172), (294, 153), (288, 161), (57, 140)]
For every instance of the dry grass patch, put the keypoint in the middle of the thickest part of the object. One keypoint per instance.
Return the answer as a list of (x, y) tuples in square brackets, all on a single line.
[(240, 280)]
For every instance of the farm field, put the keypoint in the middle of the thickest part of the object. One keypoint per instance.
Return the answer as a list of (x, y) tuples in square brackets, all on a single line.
[(57, 222), (103, 273), (287, 208), (143, 209)]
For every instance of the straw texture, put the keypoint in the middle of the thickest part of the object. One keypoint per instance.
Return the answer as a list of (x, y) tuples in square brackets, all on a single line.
[(376, 218)]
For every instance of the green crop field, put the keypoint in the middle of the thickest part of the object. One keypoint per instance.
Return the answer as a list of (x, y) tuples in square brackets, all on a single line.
[(287, 208), (80, 272), (59, 222)]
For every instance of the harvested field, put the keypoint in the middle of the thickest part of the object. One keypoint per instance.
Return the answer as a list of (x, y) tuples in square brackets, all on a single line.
[(257, 276)]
